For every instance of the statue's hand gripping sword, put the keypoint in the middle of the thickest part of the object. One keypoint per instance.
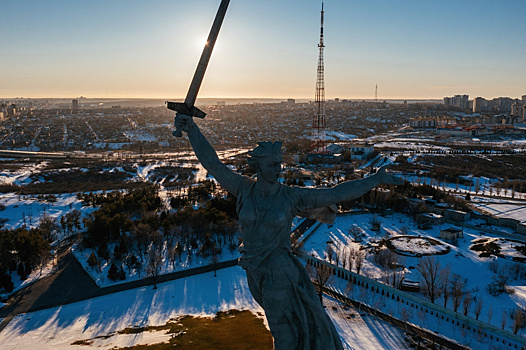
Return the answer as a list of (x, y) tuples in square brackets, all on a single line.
[(187, 107)]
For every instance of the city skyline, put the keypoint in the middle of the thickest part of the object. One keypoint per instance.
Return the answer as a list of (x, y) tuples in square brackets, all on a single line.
[(134, 49)]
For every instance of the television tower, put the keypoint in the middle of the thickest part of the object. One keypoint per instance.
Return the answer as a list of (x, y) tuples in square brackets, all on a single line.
[(318, 144), (376, 96)]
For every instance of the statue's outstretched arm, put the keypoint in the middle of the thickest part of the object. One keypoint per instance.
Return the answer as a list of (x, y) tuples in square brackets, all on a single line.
[(207, 155), (353, 189)]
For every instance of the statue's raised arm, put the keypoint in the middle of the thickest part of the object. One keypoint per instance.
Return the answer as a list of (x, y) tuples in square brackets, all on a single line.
[(207, 155), (349, 190)]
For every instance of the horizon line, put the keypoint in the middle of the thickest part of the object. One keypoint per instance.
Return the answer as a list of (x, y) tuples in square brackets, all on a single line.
[(226, 98)]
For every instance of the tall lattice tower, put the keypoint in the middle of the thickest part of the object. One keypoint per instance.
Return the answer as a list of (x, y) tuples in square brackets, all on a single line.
[(318, 121), (376, 96)]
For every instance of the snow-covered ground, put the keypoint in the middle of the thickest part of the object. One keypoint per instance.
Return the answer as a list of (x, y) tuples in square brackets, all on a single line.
[(460, 259), (27, 210), (101, 318)]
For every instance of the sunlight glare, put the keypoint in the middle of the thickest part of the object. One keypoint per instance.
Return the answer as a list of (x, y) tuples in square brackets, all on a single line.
[(203, 42)]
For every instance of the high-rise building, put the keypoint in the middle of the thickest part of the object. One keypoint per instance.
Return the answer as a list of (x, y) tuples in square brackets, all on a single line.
[(516, 110), (524, 98), (457, 102), (460, 101), (75, 105), (502, 104), (479, 104)]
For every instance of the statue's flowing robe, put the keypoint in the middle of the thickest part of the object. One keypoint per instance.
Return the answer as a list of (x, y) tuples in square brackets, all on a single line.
[(276, 278)]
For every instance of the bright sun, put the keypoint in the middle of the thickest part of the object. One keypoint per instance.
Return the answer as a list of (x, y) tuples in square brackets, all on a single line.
[(202, 42)]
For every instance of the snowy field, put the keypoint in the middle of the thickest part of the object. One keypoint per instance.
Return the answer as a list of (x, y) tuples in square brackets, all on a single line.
[(460, 258), (27, 210), (101, 318)]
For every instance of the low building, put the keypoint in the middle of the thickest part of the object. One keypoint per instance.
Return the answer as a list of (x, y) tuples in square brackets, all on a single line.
[(456, 215), (430, 219), (315, 158), (451, 233), (439, 208), (361, 152), (423, 123)]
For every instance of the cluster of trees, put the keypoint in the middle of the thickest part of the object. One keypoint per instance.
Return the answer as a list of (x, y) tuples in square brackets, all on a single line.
[(438, 281), (21, 250), (24, 249), (131, 231), (452, 167), (502, 274), (398, 199), (348, 258)]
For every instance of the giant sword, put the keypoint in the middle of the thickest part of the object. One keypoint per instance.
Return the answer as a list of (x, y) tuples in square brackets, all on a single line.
[(187, 107)]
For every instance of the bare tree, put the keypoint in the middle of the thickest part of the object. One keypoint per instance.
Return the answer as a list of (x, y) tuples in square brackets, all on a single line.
[(155, 258), (457, 290), (406, 315), (490, 313), (329, 252), (466, 303), (444, 287), (493, 266), (404, 230), (477, 308), (171, 254), (422, 316), (389, 260), (337, 255), (356, 233), (358, 260), (351, 257), (321, 274), (48, 227), (429, 268), (349, 288), (215, 259), (518, 319), (344, 258), (141, 233), (375, 223)]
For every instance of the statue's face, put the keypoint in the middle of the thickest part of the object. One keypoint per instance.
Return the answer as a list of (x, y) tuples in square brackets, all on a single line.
[(269, 168)]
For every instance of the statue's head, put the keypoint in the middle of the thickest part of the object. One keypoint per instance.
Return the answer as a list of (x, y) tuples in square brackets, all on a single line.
[(266, 159)]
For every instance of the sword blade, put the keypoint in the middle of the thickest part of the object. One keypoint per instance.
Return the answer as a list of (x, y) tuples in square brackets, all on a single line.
[(205, 56)]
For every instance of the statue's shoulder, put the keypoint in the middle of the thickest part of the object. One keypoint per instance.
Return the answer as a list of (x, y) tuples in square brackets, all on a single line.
[(245, 185)]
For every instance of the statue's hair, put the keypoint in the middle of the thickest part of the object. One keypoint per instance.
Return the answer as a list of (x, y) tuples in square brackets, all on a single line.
[(263, 150)]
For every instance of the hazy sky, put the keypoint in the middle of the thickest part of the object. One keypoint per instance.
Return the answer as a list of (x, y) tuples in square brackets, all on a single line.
[(139, 48)]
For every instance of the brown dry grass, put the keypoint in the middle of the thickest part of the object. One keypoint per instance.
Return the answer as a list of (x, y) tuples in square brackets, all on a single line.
[(231, 330)]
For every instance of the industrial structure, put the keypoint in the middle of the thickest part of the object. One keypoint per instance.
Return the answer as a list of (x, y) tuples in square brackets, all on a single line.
[(319, 145)]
